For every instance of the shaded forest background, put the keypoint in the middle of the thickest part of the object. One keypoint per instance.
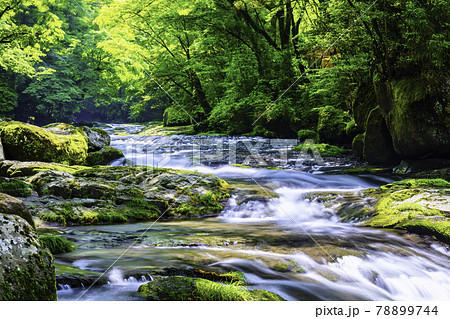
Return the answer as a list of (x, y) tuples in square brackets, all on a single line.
[(276, 68)]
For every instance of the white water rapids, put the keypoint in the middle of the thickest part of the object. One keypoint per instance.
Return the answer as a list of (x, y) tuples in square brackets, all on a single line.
[(321, 258)]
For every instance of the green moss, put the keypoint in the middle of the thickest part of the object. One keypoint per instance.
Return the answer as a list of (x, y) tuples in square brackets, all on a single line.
[(36, 281), (417, 183), (396, 208), (303, 135), (363, 170), (104, 156), (56, 244), (25, 142), (439, 228), (15, 188), (178, 288), (281, 267), (323, 149)]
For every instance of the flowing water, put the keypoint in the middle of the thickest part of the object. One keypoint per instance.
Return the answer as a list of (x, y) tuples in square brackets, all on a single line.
[(290, 244)]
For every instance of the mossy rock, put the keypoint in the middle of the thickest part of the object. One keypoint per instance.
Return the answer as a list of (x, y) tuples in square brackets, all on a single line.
[(26, 142), (322, 148), (303, 135), (418, 205), (14, 188), (104, 156), (21, 169), (179, 288)]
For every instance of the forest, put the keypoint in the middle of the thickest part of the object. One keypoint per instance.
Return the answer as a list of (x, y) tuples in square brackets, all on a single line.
[(193, 150), (275, 68)]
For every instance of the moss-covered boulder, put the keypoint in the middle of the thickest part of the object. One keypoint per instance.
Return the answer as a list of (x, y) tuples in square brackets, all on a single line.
[(12, 206), (179, 288), (25, 142), (364, 101), (103, 157), (303, 135), (378, 147), (417, 116), (418, 205), (27, 271)]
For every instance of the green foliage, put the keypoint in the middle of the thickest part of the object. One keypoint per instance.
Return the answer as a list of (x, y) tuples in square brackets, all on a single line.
[(303, 135), (178, 288), (56, 244), (322, 149), (15, 188)]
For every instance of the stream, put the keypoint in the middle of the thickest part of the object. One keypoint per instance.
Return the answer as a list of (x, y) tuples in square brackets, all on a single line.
[(290, 245)]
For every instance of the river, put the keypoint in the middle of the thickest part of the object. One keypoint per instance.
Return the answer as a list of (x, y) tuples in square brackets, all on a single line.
[(290, 244)]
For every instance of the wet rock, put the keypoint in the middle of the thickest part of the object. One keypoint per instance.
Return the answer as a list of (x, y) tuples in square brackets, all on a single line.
[(2, 154), (179, 288), (27, 271), (121, 194)]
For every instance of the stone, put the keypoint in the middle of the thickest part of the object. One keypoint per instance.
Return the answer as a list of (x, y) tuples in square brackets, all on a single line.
[(180, 288), (96, 137)]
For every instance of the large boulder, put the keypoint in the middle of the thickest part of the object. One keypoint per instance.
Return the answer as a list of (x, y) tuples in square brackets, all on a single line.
[(27, 271), (378, 147), (417, 118), (25, 142)]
